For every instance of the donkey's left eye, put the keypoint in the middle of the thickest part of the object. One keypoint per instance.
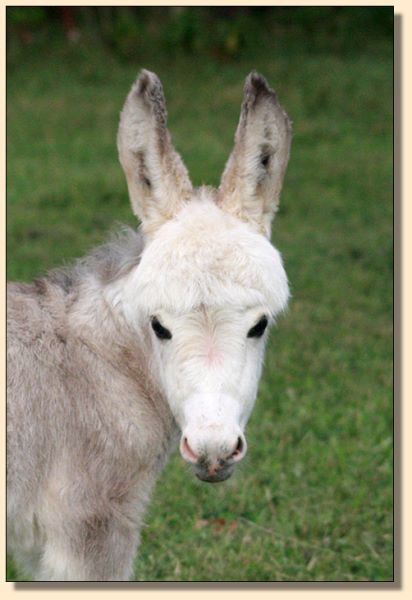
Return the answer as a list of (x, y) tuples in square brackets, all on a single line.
[(258, 330), (161, 332)]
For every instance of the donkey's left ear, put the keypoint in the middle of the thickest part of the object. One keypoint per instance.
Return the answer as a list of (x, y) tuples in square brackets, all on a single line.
[(252, 180)]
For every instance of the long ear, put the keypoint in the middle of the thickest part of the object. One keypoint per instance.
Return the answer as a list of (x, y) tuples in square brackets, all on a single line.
[(252, 180), (157, 179)]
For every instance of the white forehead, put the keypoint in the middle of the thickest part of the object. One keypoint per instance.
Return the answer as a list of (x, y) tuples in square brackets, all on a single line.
[(206, 257)]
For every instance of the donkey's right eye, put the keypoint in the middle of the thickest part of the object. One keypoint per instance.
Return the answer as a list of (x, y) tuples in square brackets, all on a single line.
[(161, 332)]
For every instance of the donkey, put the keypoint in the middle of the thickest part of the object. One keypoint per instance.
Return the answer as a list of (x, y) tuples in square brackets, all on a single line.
[(154, 337)]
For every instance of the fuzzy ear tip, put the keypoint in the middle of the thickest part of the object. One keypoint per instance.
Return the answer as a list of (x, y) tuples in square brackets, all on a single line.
[(257, 87), (255, 82), (146, 82)]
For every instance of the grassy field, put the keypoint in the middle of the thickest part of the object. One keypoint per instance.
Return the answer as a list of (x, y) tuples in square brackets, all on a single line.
[(313, 500)]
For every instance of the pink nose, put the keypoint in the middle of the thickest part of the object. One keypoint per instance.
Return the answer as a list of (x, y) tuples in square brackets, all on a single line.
[(236, 452)]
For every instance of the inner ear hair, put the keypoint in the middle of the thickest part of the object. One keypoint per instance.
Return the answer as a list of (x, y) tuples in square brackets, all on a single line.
[(142, 168), (252, 179), (264, 160), (266, 153), (158, 181)]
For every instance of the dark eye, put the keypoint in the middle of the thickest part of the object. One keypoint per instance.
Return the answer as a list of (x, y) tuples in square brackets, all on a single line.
[(258, 329), (161, 332)]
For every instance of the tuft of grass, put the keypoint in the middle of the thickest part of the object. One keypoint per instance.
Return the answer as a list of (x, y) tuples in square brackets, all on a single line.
[(313, 500)]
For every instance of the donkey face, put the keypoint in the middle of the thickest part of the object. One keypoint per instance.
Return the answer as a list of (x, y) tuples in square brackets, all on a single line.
[(209, 282)]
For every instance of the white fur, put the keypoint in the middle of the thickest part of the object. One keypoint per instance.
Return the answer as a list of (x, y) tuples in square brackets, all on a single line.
[(206, 272), (208, 277), (95, 398)]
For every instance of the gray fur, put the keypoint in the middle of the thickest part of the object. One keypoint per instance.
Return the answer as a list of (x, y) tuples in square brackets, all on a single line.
[(88, 430), (157, 179), (88, 426), (252, 180), (107, 262)]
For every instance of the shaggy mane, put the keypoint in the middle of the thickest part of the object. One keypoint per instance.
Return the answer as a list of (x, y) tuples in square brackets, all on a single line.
[(107, 262)]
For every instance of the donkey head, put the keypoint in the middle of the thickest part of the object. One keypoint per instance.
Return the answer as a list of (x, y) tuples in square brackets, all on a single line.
[(209, 281)]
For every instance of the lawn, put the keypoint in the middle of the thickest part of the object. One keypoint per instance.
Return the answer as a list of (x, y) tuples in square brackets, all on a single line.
[(313, 500)]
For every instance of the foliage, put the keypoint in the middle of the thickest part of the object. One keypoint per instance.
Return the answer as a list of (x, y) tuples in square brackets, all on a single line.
[(223, 32), (313, 500)]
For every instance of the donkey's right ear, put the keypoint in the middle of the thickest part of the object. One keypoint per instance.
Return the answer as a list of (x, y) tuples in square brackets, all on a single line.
[(157, 179)]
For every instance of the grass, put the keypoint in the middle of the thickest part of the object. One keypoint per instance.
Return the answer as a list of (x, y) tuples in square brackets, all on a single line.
[(313, 501)]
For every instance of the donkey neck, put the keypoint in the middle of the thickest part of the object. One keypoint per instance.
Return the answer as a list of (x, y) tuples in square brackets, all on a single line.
[(102, 328)]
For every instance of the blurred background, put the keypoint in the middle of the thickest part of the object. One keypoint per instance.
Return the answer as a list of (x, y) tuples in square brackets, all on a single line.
[(314, 499)]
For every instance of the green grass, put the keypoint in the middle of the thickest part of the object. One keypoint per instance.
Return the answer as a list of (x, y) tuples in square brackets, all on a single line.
[(313, 500)]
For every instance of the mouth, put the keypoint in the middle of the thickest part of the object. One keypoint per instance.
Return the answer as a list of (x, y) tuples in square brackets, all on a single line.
[(221, 475)]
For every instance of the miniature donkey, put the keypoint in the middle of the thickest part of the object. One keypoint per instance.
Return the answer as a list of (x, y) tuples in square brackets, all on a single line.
[(159, 333)]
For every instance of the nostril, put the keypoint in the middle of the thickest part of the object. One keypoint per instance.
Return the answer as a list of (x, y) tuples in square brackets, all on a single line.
[(187, 452), (239, 450), (239, 446)]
